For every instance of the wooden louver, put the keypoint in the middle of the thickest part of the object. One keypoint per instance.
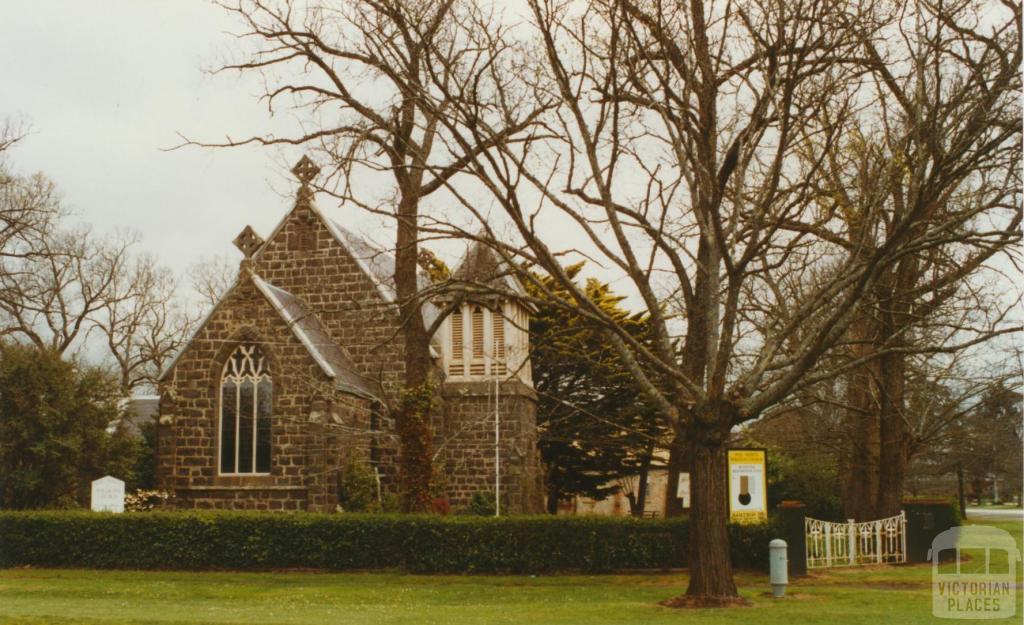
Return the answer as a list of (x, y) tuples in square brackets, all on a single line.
[(457, 365), (499, 342), (477, 364)]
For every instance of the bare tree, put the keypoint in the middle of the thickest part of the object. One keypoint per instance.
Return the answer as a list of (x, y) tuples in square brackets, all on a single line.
[(211, 277), (11, 132), (677, 126), (29, 206), (691, 141), (59, 285), (360, 73), (142, 322), (51, 297), (938, 153)]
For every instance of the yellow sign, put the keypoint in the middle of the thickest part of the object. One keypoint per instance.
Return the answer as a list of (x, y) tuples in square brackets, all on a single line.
[(748, 485)]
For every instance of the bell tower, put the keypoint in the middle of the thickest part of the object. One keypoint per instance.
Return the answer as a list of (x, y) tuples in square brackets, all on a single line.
[(487, 336), (490, 403)]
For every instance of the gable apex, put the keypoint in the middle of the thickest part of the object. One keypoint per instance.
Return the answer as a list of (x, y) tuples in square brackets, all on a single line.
[(377, 265), (307, 329)]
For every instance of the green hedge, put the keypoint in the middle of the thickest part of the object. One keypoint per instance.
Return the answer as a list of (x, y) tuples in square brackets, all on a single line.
[(422, 544)]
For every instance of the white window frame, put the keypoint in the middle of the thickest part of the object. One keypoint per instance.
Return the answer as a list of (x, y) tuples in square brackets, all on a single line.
[(257, 365)]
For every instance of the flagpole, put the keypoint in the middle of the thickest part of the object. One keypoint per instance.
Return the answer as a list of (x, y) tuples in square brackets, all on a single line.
[(497, 436)]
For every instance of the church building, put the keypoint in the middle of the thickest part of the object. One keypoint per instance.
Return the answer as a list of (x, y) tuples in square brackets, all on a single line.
[(292, 376)]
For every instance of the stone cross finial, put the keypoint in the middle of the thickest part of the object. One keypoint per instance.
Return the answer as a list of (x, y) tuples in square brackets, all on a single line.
[(305, 170), (248, 242)]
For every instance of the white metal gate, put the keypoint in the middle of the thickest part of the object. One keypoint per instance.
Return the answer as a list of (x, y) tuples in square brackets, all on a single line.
[(848, 544)]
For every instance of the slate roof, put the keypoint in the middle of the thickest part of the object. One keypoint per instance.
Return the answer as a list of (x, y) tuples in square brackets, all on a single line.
[(310, 332), (308, 329), (482, 265), (380, 267)]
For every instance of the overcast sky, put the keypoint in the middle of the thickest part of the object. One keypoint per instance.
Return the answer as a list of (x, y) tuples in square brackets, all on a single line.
[(106, 87)]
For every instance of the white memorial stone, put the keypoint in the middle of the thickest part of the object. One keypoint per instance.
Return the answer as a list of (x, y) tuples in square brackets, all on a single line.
[(108, 494), (683, 489)]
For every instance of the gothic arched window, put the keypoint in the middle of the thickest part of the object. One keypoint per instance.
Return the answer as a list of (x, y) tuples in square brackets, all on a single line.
[(245, 400)]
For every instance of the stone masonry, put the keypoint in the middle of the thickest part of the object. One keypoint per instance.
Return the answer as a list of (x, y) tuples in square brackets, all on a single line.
[(317, 302)]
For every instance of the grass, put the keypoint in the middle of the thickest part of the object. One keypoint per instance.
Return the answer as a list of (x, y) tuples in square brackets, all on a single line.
[(888, 594), (995, 506)]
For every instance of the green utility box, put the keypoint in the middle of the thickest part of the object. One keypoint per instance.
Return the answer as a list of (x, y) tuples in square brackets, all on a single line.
[(926, 519)]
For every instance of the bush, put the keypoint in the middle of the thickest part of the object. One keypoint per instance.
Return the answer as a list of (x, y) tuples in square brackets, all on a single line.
[(357, 488), (54, 416), (421, 544), (146, 500), (480, 504)]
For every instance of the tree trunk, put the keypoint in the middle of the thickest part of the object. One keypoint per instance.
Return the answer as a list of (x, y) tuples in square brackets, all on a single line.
[(633, 507), (977, 489), (641, 491), (553, 497), (708, 555), (677, 462), (895, 439), (709, 562), (961, 495), (414, 418), (861, 461)]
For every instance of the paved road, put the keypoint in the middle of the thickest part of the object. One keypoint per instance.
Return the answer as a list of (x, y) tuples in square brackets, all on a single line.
[(995, 514)]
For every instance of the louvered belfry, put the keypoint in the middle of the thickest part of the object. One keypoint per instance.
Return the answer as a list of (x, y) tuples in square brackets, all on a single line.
[(494, 344)]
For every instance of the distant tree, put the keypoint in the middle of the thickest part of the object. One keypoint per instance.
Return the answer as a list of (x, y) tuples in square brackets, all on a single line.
[(54, 421), (945, 156), (986, 443), (211, 277), (945, 396), (144, 323), (60, 285), (594, 428), (799, 466), (29, 206)]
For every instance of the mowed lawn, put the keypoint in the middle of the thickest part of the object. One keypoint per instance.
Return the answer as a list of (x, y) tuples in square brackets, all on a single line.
[(868, 595)]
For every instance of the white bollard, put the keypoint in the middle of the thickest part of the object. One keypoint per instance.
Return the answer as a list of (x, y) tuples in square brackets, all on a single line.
[(778, 567)]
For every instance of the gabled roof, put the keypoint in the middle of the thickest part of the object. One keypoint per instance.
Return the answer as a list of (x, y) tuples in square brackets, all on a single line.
[(311, 333), (377, 265), (308, 330)]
